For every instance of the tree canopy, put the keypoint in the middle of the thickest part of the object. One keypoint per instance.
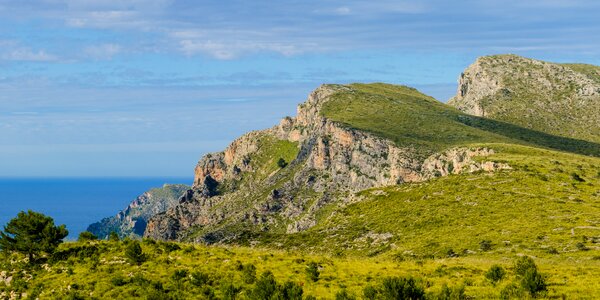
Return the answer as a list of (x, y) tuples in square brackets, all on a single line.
[(32, 233)]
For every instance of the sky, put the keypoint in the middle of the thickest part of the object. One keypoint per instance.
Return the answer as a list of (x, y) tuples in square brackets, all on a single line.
[(144, 88)]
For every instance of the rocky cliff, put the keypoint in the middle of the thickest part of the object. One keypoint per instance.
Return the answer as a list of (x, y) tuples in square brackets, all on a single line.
[(131, 222), (559, 99), (280, 180)]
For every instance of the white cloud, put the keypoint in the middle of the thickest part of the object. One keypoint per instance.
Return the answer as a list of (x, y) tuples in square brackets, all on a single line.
[(344, 10), (103, 51), (27, 54), (226, 50)]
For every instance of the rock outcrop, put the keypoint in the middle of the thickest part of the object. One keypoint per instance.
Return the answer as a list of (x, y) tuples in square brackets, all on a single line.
[(131, 222), (559, 99), (234, 192)]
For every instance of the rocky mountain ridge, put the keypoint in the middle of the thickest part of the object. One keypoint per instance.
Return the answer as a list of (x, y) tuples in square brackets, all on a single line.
[(330, 163), (559, 99)]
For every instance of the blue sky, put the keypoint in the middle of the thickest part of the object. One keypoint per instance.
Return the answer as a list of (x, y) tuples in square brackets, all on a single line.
[(144, 88)]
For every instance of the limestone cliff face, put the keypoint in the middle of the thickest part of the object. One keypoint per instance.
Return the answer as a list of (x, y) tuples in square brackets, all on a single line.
[(131, 222), (232, 193), (560, 99)]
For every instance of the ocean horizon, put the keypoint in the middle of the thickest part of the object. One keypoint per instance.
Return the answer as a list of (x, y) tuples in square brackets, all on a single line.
[(75, 202)]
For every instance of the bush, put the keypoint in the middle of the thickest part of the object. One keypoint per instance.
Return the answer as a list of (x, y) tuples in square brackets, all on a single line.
[(179, 275), (118, 280), (87, 236), (344, 295), (281, 163), (134, 253), (370, 293), (523, 264), (511, 291), (495, 274), (113, 237), (200, 279), (265, 287), (485, 245), (449, 293), (312, 271), (401, 288), (290, 291), (532, 281), (229, 291), (248, 273)]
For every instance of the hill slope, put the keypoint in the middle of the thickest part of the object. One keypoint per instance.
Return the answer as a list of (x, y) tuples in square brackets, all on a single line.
[(346, 139), (559, 99)]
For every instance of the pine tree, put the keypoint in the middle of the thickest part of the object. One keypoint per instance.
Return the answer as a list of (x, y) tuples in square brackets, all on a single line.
[(33, 234)]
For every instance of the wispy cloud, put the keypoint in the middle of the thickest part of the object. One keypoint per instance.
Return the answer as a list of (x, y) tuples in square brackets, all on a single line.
[(103, 51), (27, 54)]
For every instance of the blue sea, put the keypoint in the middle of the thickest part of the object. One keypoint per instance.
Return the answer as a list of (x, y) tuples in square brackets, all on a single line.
[(73, 202)]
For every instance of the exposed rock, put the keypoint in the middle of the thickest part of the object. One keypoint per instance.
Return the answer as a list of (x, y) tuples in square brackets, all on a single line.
[(559, 99), (131, 222), (332, 163)]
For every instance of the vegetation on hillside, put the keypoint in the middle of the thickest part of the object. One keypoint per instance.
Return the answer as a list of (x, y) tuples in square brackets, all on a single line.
[(412, 119), (103, 269)]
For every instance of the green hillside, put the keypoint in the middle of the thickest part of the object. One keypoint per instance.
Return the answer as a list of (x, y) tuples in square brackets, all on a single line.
[(559, 99), (103, 270), (410, 118)]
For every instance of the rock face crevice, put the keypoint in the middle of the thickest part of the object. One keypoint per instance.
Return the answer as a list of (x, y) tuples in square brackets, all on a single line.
[(332, 162)]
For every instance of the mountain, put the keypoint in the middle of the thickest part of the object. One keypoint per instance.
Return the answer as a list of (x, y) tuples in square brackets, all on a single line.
[(559, 99), (131, 222), (363, 168)]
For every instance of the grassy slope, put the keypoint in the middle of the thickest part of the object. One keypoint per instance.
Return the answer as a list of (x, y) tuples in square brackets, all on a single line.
[(410, 118), (99, 270), (538, 99)]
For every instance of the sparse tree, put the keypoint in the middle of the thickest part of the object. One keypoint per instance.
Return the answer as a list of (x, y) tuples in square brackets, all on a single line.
[(33, 234)]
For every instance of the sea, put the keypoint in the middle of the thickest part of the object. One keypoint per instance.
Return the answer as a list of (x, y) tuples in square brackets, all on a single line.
[(75, 202)]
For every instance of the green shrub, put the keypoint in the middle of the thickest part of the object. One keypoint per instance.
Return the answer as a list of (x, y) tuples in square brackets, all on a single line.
[(289, 291), (229, 291), (401, 288), (523, 264), (281, 163), (265, 287), (118, 280), (370, 293), (511, 291), (86, 236), (344, 295), (532, 281), (448, 293), (179, 275), (200, 278), (495, 274), (113, 236), (134, 253), (485, 245), (312, 271), (248, 273)]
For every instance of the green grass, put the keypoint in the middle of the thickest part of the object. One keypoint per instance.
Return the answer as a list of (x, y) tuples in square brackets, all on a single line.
[(412, 119), (543, 96)]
